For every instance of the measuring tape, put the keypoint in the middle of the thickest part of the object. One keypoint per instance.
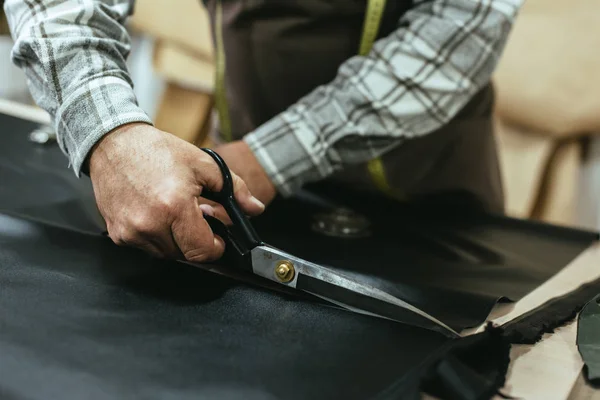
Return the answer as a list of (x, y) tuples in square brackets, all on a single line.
[(371, 25), (220, 99), (373, 17)]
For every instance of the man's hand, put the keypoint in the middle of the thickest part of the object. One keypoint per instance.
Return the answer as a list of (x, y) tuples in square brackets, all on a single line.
[(241, 160), (147, 184)]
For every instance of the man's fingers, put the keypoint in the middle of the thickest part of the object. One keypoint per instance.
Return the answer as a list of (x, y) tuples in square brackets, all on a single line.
[(188, 237), (166, 245), (209, 175), (135, 240), (249, 204), (207, 209), (194, 237), (214, 210), (152, 249)]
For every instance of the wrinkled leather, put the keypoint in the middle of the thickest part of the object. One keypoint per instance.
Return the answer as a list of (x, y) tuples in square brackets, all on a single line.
[(444, 256), (454, 267), (81, 317), (451, 262), (35, 181)]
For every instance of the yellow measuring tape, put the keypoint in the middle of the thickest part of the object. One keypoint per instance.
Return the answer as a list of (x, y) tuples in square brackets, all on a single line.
[(220, 99), (371, 25), (373, 16)]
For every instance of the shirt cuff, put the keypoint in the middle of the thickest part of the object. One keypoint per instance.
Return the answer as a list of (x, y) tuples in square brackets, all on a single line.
[(90, 112), (290, 152)]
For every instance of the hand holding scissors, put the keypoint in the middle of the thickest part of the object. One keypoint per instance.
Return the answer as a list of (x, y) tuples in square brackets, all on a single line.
[(252, 254)]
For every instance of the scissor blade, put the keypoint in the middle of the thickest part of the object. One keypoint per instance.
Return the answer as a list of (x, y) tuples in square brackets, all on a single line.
[(368, 301), (343, 291)]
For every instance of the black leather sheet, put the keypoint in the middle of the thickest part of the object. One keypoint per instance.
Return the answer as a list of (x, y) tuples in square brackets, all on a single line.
[(80, 317), (451, 262), (35, 181), (454, 267)]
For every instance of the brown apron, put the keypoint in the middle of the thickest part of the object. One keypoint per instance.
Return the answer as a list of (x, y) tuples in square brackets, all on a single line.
[(277, 51)]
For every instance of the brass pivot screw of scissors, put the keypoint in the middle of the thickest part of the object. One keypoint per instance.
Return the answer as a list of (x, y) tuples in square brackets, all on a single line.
[(284, 271)]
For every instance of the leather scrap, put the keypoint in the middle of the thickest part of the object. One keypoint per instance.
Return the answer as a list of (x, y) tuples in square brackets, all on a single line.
[(84, 318), (475, 367), (588, 339)]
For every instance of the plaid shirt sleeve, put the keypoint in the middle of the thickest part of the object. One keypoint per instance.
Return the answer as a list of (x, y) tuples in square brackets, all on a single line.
[(73, 53), (411, 83)]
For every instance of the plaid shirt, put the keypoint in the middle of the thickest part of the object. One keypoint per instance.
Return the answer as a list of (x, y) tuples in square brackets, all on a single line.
[(411, 83)]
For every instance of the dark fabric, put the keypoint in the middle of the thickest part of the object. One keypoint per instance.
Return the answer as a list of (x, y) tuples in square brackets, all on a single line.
[(588, 339), (81, 317), (35, 181), (475, 367), (471, 370), (530, 327), (452, 262)]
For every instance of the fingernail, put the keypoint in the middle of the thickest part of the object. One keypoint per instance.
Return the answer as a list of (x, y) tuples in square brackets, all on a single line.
[(207, 210), (257, 202), (218, 242)]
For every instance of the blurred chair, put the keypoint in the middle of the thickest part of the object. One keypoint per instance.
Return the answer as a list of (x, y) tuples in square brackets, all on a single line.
[(548, 104), (183, 57)]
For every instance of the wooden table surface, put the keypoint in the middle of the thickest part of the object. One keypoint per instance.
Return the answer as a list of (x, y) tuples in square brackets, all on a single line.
[(546, 370)]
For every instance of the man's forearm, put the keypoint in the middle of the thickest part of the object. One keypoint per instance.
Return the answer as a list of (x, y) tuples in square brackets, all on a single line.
[(412, 82), (73, 53)]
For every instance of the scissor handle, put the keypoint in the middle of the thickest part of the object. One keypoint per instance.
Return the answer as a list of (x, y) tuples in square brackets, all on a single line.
[(247, 238), (227, 188)]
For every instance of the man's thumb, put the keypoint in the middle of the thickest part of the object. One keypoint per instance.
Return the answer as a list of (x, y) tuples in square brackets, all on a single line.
[(249, 204)]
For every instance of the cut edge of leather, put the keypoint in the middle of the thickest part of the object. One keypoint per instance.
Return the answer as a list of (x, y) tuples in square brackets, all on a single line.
[(475, 367)]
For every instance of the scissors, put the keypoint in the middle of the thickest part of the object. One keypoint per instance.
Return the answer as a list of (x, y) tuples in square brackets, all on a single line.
[(259, 258)]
